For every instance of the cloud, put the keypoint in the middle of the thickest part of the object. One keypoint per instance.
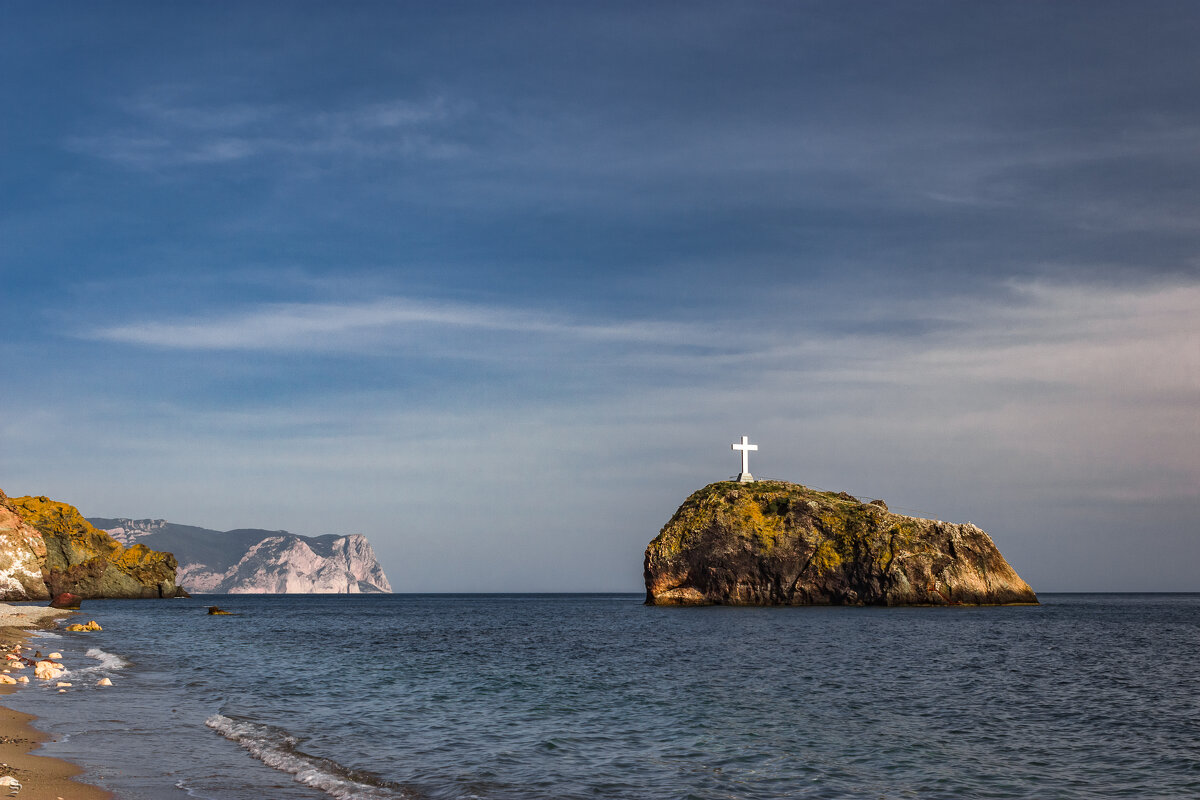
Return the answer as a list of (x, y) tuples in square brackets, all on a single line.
[(164, 131), (347, 326)]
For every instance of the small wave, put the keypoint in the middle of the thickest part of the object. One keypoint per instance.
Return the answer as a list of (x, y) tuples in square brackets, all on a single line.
[(277, 748), (188, 790), (108, 661), (45, 635)]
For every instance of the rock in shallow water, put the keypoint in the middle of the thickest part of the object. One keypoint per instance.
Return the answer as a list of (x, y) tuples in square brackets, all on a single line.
[(90, 626), (778, 543), (66, 600)]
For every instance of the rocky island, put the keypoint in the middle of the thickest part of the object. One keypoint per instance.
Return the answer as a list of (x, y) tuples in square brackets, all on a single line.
[(779, 543)]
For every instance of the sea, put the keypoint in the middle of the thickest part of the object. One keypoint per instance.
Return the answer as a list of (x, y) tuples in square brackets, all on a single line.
[(565, 697)]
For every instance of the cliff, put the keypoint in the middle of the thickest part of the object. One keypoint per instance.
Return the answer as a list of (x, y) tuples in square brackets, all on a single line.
[(254, 561), (22, 554), (75, 557), (778, 543)]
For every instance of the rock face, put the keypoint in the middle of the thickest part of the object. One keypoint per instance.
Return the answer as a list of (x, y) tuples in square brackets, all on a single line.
[(88, 562), (254, 561), (22, 554), (777, 543)]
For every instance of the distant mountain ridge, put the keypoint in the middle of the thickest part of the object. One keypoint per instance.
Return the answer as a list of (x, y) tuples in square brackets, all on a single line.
[(254, 561)]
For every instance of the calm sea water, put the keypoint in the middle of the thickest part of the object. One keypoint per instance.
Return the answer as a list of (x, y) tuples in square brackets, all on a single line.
[(598, 696)]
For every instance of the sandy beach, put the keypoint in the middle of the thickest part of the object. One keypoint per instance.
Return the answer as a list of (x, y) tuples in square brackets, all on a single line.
[(41, 778)]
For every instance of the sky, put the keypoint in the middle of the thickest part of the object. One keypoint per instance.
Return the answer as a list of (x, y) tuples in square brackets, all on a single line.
[(498, 284)]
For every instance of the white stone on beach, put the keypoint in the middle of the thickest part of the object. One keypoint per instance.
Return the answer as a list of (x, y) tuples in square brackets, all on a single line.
[(5, 679), (47, 670), (9, 780)]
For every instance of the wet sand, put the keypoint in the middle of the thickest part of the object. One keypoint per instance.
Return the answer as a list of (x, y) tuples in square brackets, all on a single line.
[(41, 777)]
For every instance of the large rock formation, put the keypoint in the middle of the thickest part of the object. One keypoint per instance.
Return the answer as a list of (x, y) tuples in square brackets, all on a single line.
[(75, 557), (253, 561), (22, 554), (778, 543)]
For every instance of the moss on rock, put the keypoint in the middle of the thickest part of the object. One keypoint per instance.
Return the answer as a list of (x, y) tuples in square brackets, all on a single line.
[(779, 543), (88, 562)]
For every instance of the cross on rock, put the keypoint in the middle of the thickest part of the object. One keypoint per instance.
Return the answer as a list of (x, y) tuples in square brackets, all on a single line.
[(745, 447)]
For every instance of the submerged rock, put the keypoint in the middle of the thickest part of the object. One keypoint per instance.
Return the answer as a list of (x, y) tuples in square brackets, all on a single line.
[(215, 611), (779, 543)]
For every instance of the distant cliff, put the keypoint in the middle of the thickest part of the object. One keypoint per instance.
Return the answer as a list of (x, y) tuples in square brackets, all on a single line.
[(72, 556), (777, 543), (253, 561)]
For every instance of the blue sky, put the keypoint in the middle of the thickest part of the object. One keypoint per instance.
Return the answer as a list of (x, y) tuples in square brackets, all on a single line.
[(498, 284)]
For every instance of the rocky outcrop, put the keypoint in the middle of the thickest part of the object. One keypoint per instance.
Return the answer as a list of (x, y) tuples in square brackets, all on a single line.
[(22, 554), (778, 543), (66, 600), (88, 562), (254, 561)]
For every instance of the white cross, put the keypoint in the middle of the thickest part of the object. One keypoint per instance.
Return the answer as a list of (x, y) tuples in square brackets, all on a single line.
[(745, 447)]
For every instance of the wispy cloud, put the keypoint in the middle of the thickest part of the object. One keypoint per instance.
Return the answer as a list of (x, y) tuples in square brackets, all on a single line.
[(162, 130), (339, 326)]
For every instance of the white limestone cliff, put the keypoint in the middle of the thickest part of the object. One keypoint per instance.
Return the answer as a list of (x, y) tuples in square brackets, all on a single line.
[(252, 561)]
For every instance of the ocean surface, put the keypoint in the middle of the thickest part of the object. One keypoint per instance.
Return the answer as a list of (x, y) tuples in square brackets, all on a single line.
[(507, 697)]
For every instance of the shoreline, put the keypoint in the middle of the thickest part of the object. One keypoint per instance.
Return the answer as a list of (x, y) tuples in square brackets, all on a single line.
[(41, 777)]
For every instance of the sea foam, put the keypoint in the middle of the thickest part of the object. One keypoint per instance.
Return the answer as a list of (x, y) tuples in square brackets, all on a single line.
[(277, 748), (108, 661)]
